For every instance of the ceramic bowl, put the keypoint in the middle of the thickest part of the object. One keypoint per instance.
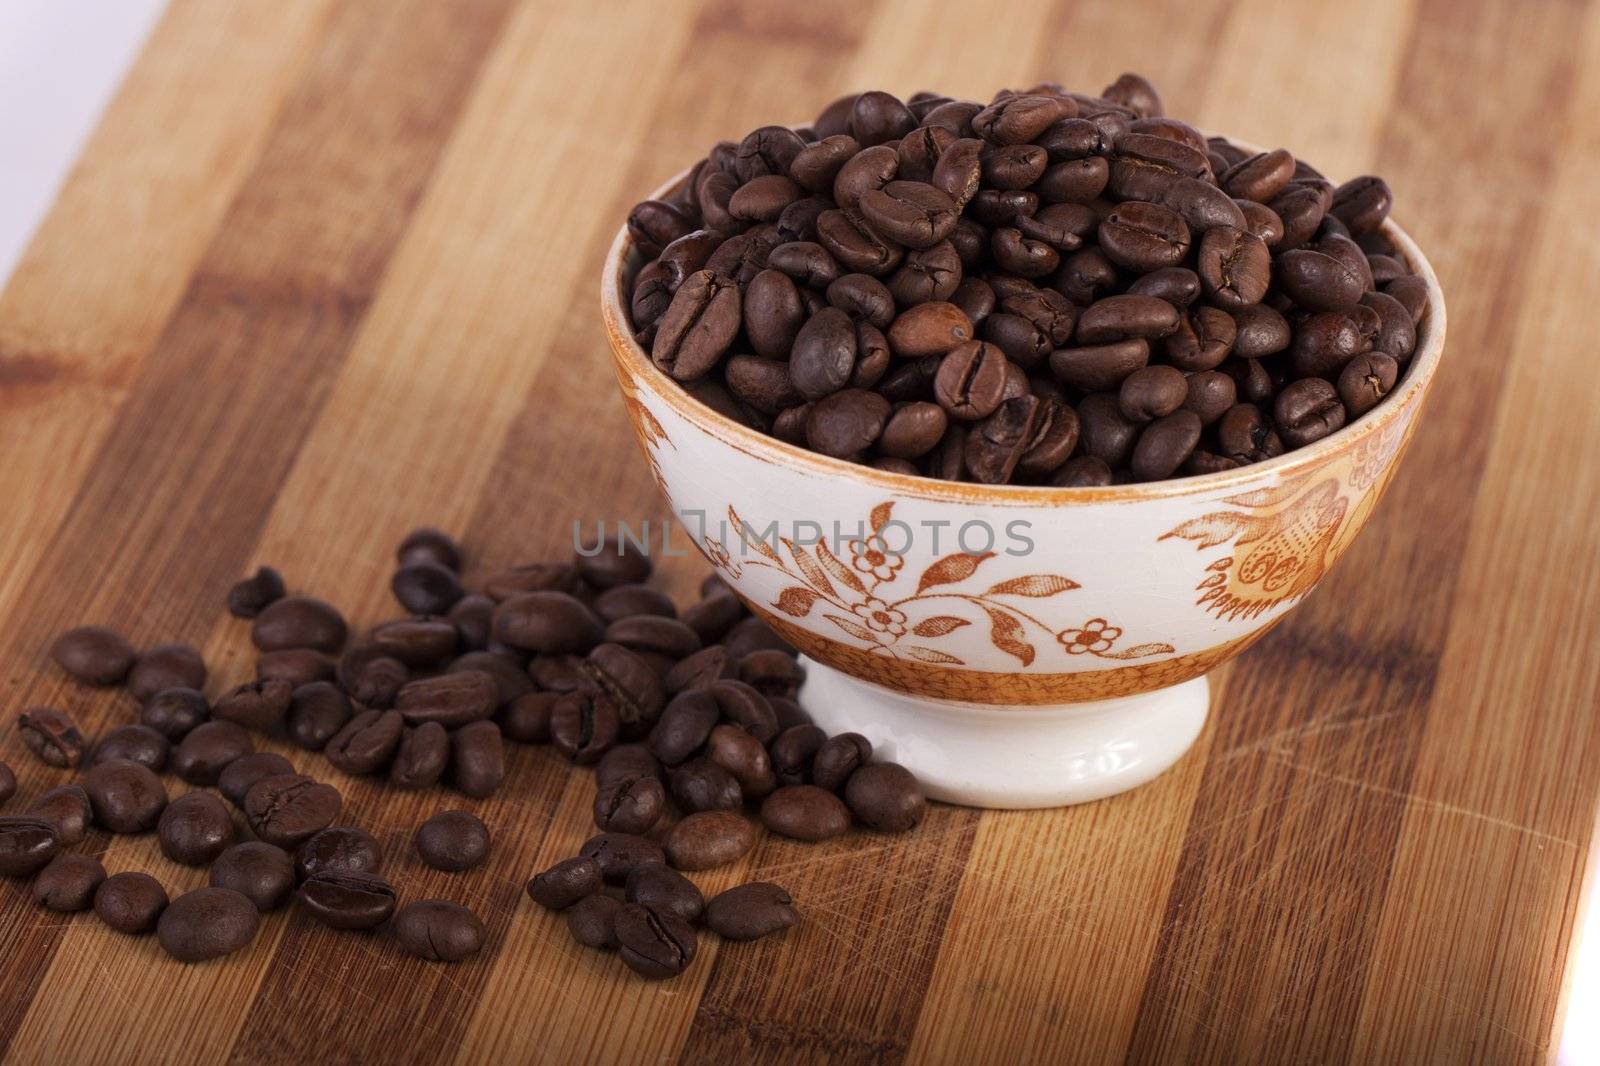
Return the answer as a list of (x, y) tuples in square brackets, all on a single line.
[(1013, 646)]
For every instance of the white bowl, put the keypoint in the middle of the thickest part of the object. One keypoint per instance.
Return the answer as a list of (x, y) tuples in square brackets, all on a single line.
[(1004, 674)]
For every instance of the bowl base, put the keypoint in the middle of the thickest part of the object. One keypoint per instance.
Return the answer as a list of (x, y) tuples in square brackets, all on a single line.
[(981, 755)]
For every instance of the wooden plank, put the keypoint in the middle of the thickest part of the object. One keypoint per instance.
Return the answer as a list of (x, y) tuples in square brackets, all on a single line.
[(1503, 799), (184, 483), (1273, 914)]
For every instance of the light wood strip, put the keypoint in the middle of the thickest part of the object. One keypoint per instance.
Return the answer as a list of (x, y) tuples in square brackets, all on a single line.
[(1500, 814), (265, 324)]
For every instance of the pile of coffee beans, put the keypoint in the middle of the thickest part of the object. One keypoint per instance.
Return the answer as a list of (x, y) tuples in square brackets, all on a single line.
[(1050, 289), (689, 719)]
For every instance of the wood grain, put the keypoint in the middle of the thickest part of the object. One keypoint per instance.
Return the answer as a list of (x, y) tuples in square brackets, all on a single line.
[(327, 271)]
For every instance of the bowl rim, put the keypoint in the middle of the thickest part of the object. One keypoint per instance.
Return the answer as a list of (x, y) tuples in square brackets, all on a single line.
[(630, 357)]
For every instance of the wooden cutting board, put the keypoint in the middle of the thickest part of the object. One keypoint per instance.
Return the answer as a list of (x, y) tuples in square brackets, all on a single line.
[(328, 270)]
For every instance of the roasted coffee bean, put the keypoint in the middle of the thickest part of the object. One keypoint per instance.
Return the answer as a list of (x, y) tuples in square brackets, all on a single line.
[(665, 890), (805, 812), (712, 617), (1117, 318), (299, 622), (971, 381), (340, 849), (372, 678), (1152, 392), (654, 943), (699, 325), (206, 923), (66, 808), (913, 430), (1362, 203), (708, 839), (701, 785), (1318, 281), (348, 900), (998, 443), (126, 797), (584, 724), (1245, 436), (847, 422), (744, 757), (428, 545), (250, 596), (1209, 394), (287, 808), (94, 655), (565, 883), (792, 753), (771, 673), (911, 213), (416, 641), (839, 757), (1397, 333), (51, 735), (263, 873), (532, 577), (68, 883), (684, 726), (653, 635), (438, 930), (592, 920), (130, 902), (1365, 380), (27, 844), (194, 829), (317, 712), (236, 778), (618, 854), (136, 743), (1144, 237), (1323, 344), (744, 706), (886, 797), (166, 666), (505, 667), (1085, 471), (613, 562), (1307, 410), (472, 616), (453, 841), (633, 688), (1164, 444), (452, 699), (175, 712), (477, 759), (929, 329), (296, 666), (526, 719), (1100, 367), (549, 623), (425, 588), (817, 165), (366, 743), (257, 705), (630, 805), (750, 911), (422, 757)]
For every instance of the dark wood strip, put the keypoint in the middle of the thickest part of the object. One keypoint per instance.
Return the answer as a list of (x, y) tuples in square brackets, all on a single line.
[(187, 475), (1270, 922)]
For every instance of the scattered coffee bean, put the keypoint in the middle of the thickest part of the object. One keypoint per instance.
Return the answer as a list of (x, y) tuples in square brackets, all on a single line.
[(548, 622), (837, 758), (453, 841), (175, 712), (426, 588), (472, 617), (27, 844), (702, 785), (885, 796), (565, 883), (194, 829), (452, 699), (51, 735), (654, 943), (348, 900), (253, 594), (340, 849), (618, 561), (477, 759), (299, 622), (631, 805), (66, 808), (371, 678), (584, 725), (366, 743), (743, 756), (708, 839), (422, 757), (417, 642), (526, 719), (665, 889), (206, 923), (429, 545), (136, 743), (592, 920), (68, 883), (94, 655), (238, 776), (166, 666), (508, 670), (257, 705), (296, 667), (438, 930), (130, 902), (126, 797), (262, 872), (286, 809), (618, 853), (684, 726), (750, 911), (805, 812), (793, 751), (317, 712), (626, 760)]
